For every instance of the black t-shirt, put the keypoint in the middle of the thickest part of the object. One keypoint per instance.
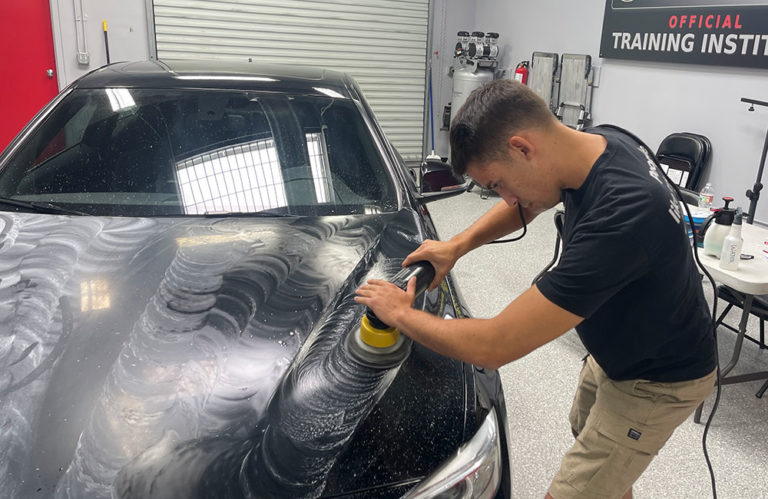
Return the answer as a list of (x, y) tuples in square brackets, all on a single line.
[(627, 268)]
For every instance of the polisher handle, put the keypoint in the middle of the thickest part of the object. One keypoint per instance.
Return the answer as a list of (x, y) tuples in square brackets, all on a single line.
[(424, 273), (422, 270)]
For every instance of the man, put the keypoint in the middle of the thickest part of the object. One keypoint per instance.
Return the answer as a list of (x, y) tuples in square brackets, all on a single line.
[(626, 281)]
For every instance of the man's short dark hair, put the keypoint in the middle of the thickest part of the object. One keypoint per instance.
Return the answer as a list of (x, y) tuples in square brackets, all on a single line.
[(490, 115)]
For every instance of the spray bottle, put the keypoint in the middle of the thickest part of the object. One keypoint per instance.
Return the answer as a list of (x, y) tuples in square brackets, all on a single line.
[(716, 227), (731, 253)]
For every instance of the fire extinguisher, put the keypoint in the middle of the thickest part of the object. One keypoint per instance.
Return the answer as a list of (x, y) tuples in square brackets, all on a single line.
[(521, 72)]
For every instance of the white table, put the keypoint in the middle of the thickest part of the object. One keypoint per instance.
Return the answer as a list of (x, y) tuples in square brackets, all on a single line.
[(751, 278), (752, 275)]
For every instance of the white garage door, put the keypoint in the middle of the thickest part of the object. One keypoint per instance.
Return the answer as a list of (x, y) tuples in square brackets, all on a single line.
[(381, 43)]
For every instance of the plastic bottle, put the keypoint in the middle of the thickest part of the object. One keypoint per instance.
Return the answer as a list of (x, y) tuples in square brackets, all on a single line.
[(706, 196), (717, 227), (731, 254)]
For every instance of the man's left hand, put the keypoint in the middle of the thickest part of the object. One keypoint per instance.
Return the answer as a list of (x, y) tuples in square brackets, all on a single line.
[(386, 300)]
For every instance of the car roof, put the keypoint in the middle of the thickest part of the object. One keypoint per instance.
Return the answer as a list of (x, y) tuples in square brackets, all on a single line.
[(215, 75)]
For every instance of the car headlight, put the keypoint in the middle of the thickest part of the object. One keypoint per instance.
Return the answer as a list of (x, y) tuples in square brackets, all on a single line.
[(473, 472)]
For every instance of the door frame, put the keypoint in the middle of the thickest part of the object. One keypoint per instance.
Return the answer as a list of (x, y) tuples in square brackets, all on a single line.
[(149, 8), (58, 45)]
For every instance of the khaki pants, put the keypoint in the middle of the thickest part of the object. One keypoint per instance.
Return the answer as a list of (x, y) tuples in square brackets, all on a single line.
[(621, 426)]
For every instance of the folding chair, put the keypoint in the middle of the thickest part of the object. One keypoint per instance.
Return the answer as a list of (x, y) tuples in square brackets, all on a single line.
[(759, 309), (684, 157), (575, 97)]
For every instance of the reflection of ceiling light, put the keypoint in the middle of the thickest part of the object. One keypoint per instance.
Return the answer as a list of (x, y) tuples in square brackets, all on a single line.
[(120, 98), (216, 77), (94, 295), (330, 93), (248, 237)]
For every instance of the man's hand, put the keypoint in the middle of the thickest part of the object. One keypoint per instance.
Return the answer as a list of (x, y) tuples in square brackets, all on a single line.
[(441, 254), (386, 300)]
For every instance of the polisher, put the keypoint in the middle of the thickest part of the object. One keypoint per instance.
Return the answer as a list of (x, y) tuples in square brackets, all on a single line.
[(376, 344)]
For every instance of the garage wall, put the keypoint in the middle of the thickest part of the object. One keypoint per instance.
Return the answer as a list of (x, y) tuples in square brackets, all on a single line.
[(127, 25), (651, 99)]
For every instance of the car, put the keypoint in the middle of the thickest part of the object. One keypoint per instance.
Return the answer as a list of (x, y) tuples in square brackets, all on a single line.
[(180, 242)]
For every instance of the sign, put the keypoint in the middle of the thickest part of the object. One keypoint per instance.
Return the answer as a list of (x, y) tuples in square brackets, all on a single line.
[(718, 32)]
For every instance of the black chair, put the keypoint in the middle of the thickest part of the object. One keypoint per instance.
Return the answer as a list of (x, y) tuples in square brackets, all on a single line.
[(759, 309), (684, 157)]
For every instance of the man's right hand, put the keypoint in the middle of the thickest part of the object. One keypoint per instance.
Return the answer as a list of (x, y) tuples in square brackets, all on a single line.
[(441, 254)]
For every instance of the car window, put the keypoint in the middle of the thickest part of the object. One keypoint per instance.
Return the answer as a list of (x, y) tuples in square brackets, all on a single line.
[(144, 152)]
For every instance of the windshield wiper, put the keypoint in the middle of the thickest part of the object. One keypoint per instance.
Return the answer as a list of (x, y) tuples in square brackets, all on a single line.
[(44, 207), (245, 214)]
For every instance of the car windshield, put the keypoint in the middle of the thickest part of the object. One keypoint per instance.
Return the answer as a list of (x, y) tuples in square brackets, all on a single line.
[(170, 152)]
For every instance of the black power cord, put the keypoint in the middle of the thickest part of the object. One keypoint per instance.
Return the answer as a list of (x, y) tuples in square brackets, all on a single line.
[(718, 386), (516, 238)]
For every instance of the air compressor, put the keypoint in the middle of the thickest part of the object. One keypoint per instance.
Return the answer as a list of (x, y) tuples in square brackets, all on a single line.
[(466, 79), (475, 61)]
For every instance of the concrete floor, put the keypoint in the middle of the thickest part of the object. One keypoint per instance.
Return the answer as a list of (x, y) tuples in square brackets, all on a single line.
[(539, 388)]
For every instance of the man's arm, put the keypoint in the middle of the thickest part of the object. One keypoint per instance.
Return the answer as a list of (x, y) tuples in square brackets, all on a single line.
[(497, 222), (527, 323)]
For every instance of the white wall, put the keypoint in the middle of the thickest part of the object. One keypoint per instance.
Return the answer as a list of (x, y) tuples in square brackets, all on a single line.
[(126, 24), (651, 99)]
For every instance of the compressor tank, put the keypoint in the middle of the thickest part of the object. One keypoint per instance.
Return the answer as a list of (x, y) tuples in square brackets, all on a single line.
[(465, 80)]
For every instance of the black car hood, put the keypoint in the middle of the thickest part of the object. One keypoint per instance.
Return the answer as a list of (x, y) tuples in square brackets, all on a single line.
[(125, 339)]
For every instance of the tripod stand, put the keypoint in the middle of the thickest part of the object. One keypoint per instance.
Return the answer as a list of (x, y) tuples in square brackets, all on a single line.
[(753, 194)]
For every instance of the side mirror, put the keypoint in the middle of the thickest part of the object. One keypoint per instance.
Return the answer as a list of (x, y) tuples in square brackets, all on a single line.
[(436, 181)]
